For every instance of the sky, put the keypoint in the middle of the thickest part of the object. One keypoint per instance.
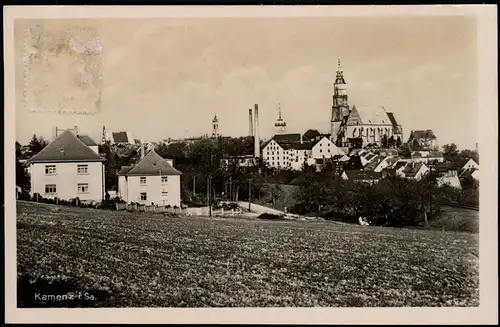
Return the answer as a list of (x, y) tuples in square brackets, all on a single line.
[(160, 78)]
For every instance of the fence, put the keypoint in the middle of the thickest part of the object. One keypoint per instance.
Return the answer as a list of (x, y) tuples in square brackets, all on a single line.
[(148, 208)]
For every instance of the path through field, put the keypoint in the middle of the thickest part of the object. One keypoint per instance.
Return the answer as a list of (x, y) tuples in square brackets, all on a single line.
[(125, 259)]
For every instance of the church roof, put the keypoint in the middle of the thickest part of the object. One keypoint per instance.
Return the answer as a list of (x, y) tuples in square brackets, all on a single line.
[(67, 147), (373, 115), (392, 118), (152, 164)]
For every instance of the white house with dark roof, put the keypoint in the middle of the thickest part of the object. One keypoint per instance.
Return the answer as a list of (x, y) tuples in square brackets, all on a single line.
[(324, 148), (67, 168), (153, 180)]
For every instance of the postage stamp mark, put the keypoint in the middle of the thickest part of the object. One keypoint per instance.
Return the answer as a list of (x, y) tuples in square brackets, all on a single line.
[(62, 68)]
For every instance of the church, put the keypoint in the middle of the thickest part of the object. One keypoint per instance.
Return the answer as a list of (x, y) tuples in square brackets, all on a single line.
[(371, 125)]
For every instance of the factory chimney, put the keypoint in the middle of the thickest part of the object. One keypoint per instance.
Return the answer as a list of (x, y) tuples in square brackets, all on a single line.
[(142, 150), (76, 130), (250, 122), (256, 132)]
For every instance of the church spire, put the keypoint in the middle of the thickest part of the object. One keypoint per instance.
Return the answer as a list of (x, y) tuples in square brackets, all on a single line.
[(340, 74), (215, 126), (280, 124)]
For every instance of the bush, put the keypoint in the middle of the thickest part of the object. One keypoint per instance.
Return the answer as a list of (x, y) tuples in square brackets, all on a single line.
[(270, 216)]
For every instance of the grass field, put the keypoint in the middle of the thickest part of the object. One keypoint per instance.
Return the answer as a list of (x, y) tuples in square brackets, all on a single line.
[(124, 259)]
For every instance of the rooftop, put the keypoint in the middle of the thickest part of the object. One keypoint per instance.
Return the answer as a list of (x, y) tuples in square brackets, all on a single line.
[(363, 175), (151, 165), (67, 147)]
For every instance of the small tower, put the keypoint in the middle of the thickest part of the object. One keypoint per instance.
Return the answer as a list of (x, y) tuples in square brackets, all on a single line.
[(280, 124), (215, 126), (340, 107)]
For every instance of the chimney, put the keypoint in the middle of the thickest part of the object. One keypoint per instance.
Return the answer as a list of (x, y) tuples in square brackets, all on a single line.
[(142, 151), (301, 141), (256, 132), (250, 122), (54, 133), (76, 130)]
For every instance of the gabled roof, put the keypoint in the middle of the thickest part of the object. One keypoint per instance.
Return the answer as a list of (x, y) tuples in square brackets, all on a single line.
[(87, 140), (468, 172), (151, 165), (373, 115), (120, 137), (137, 141), (374, 163), (399, 165), (363, 175), (392, 118), (297, 145), (425, 134), (288, 138), (412, 169), (67, 147)]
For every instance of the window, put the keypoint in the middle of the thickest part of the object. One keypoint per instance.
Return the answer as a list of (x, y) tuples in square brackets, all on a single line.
[(320, 150), (83, 188), (82, 169), (142, 181), (50, 170), (164, 193), (164, 179), (144, 196), (50, 189)]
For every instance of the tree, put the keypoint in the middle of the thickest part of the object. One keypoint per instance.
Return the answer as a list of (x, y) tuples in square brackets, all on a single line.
[(398, 142), (469, 154), (404, 150), (391, 142), (37, 144), (356, 143), (385, 141), (22, 177), (312, 134), (450, 152)]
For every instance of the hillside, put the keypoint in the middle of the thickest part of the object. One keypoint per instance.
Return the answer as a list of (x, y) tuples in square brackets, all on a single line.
[(137, 260)]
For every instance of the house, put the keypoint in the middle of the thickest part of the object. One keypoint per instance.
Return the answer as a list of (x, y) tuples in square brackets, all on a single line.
[(469, 173), (398, 167), (424, 139), (366, 157), (427, 156), (415, 170), (287, 151), (245, 160), (370, 177), (323, 148), (466, 164), (380, 162), (153, 180), (447, 174), (67, 168)]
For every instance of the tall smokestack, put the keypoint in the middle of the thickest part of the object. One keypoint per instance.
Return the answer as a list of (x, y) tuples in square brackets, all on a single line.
[(76, 130), (250, 122), (256, 132), (142, 150), (54, 133)]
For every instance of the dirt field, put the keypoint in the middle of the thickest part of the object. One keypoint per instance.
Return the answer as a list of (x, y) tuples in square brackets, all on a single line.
[(105, 258)]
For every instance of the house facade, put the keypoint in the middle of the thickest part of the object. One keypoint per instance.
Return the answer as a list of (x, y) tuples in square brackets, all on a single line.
[(67, 169), (324, 148), (288, 151), (153, 180)]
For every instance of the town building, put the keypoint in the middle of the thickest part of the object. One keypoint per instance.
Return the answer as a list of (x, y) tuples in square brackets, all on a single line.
[(67, 169), (287, 151), (153, 180), (427, 156), (422, 140), (380, 162), (447, 174), (323, 149), (415, 170), (370, 177), (372, 124)]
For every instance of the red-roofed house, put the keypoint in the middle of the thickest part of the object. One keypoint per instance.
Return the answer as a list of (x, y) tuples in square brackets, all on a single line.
[(152, 180), (67, 168)]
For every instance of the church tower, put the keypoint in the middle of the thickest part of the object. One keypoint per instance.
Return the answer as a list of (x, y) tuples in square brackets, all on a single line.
[(340, 107), (103, 139), (280, 124), (215, 126)]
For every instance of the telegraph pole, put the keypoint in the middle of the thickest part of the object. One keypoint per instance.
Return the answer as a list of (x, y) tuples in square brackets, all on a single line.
[(209, 195), (230, 188), (249, 194), (194, 185)]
